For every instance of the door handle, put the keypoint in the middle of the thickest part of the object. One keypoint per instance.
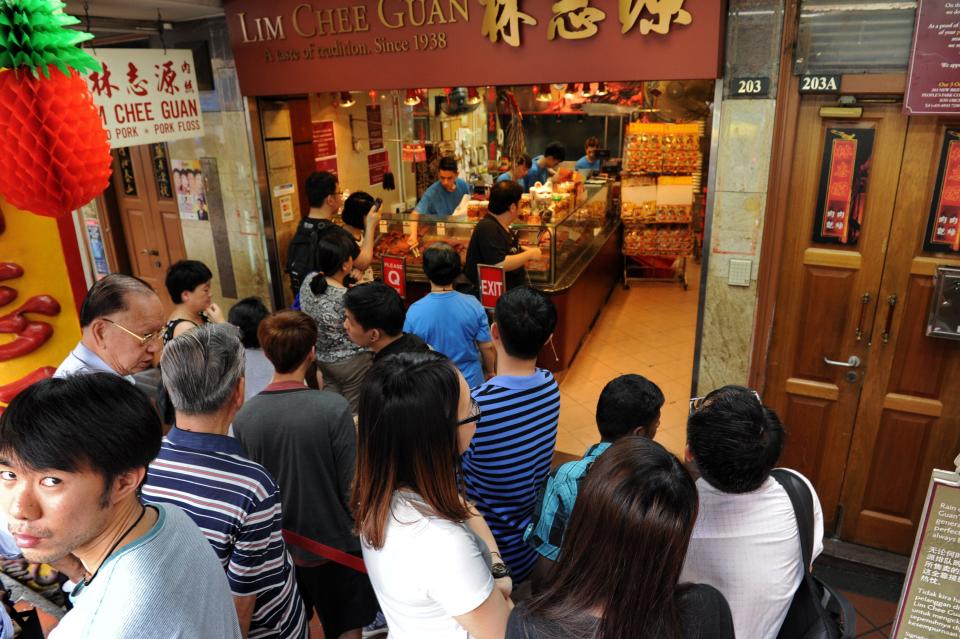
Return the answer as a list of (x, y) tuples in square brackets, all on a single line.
[(864, 300), (853, 362), (892, 304)]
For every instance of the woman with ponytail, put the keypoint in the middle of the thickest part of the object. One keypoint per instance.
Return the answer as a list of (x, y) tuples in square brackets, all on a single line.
[(342, 363)]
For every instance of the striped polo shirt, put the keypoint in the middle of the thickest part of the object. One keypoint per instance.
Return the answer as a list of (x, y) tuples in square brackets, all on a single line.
[(236, 504), (509, 458)]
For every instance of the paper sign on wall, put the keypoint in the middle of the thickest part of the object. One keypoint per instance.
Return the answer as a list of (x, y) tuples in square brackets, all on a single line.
[(146, 95), (190, 189), (377, 163), (286, 208)]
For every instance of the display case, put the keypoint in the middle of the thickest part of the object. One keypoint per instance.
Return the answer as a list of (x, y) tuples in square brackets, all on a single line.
[(565, 224)]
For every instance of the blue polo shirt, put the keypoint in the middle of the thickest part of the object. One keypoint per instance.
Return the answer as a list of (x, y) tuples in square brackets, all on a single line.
[(440, 202), (535, 174), (555, 504), (583, 164), (509, 458), (236, 504), (503, 177), (452, 323)]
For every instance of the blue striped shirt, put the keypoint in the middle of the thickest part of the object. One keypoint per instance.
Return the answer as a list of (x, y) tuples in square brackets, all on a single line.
[(509, 458), (236, 504)]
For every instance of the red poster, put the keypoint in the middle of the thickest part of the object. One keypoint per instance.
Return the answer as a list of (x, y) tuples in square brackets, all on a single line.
[(933, 82), (378, 164), (414, 153), (492, 284), (836, 212), (395, 273), (324, 142), (946, 228), (375, 126), (327, 164)]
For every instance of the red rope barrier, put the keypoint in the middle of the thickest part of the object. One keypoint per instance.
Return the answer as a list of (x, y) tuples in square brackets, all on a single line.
[(333, 554)]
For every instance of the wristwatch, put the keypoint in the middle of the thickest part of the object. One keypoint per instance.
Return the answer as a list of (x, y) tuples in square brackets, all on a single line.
[(500, 570)]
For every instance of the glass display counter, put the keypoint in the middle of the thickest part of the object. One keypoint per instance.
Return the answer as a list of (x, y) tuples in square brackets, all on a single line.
[(566, 225)]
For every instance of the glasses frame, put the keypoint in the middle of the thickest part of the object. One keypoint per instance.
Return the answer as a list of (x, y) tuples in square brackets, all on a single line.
[(696, 403), (475, 414), (143, 339)]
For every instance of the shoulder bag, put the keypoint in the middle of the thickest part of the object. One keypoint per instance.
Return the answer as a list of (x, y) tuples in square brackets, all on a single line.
[(817, 610)]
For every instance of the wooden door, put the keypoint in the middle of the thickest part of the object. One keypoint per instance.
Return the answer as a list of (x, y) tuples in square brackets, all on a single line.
[(826, 297), (149, 214), (908, 421)]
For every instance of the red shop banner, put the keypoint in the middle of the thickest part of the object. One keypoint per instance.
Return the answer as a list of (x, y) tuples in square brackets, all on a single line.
[(395, 273), (493, 284), (933, 82), (844, 172), (943, 227), (299, 46)]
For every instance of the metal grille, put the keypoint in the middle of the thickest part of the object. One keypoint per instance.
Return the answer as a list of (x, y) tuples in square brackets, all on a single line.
[(851, 36)]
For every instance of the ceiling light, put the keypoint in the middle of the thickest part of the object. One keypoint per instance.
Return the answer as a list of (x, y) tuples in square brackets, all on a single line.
[(413, 98), (601, 88), (346, 100)]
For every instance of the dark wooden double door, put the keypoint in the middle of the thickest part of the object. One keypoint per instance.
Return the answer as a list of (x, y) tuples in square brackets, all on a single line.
[(866, 435)]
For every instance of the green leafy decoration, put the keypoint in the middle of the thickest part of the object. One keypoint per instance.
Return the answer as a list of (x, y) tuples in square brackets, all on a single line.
[(34, 36)]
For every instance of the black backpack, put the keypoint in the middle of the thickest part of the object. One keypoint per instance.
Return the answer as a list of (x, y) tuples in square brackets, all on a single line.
[(302, 252), (817, 610)]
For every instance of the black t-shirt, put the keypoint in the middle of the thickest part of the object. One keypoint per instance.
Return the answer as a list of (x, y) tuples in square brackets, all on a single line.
[(704, 614), (490, 244), (407, 343)]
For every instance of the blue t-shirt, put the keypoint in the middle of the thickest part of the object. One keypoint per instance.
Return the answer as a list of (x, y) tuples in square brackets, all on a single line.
[(503, 177), (583, 164), (509, 458), (535, 174), (440, 202), (452, 324)]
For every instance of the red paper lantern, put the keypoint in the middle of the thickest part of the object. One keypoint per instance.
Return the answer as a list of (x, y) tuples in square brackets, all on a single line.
[(54, 154)]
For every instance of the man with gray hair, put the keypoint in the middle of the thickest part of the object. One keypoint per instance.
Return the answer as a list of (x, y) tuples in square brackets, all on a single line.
[(121, 322), (234, 501)]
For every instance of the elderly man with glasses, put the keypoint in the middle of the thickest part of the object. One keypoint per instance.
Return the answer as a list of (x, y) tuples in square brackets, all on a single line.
[(121, 321)]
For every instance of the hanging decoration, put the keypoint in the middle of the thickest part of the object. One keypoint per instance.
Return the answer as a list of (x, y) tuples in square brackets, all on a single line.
[(54, 154), (515, 144)]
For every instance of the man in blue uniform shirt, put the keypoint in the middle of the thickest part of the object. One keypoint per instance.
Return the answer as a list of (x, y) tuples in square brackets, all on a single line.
[(518, 171), (444, 195), (543, 165), (590, 161)]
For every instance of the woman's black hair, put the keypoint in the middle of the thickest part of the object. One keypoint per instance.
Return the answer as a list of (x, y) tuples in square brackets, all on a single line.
[(355, 209), (247, 315), (333, 251), (184, 276)]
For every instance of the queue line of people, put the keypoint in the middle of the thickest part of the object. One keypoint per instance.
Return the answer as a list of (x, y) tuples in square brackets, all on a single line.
[(416, 443)]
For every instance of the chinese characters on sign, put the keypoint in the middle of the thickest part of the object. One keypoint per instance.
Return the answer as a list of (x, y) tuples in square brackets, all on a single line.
[(844, 172), (161, 170), (574, 20), (933, 82), (943, 227), (930, 603), (667, 12), (146, 96), (126, 172), (502, 20)]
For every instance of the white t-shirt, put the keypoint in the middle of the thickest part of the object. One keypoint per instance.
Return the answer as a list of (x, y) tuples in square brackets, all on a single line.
[(428, 571), (747, 546)]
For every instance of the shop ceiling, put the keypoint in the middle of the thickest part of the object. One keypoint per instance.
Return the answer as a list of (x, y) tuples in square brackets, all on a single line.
[(117, 21)]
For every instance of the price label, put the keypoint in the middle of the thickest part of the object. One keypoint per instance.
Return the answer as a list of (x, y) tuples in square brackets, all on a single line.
[(384, 227), (820, 84), (441, 229), (750, 87), (408, 228)]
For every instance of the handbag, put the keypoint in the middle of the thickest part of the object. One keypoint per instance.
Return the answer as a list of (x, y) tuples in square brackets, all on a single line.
[(817, 611)]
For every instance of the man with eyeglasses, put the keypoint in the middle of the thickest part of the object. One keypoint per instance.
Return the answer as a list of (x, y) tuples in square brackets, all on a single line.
[(121, 321)]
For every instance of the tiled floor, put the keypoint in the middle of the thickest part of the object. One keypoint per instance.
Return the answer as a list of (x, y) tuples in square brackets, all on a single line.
[(648, 329)]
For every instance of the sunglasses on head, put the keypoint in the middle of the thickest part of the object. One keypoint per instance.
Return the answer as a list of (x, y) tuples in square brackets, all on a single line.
[(696, 403)]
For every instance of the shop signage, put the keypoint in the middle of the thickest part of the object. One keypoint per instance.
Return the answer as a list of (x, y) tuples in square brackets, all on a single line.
[(844, 171), (377, 164), (933, 82), (493, 284), (943, 225), (750, 87), (146, 95), (930, 601), (324, 141), (375, 126), (820, 84), (414, 152), (395, 273), (303, 46)]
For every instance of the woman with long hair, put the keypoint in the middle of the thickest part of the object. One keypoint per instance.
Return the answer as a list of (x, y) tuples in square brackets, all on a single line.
[(619, 567), (343, 364), (430, 556)]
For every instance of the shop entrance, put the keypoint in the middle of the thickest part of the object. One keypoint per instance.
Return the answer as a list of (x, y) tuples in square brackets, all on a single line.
[(146, 199), (867, 426)]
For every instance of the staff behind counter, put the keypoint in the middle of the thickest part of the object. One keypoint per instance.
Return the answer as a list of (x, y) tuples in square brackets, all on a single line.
[(543, 166), (443, 196), (590, 161)]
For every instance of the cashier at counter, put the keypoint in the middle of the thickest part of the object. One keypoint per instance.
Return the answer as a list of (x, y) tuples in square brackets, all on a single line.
[(543, 165), (590, 161), (443, 196)]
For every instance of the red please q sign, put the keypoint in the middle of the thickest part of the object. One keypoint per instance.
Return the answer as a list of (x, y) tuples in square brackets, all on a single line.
[(395, 274)]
